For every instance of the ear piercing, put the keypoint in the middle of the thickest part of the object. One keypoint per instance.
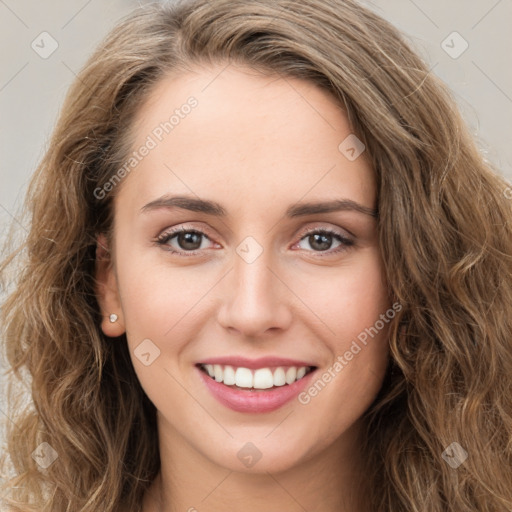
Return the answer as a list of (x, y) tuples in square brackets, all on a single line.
[(113, 318)]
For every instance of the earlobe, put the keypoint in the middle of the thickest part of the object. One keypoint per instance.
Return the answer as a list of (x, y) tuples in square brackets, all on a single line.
[(107, 292)]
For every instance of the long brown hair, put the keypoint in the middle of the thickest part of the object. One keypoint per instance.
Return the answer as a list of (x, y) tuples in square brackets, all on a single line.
[(445, 230)]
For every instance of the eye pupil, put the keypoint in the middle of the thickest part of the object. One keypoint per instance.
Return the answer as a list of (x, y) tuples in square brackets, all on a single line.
[(316, 242), (189, 240)]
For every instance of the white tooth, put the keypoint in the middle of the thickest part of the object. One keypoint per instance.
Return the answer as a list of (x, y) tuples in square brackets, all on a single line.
[(301, 372), (229, 375), (279, 377), (291, 375), (263, 379), (209, 369), (217, 368), (243, 378)]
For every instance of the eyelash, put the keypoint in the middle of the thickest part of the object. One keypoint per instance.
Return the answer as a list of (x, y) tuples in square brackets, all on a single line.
[(346, 243)]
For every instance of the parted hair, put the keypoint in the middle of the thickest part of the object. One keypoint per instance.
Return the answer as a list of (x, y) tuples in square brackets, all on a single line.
[(445, 234)]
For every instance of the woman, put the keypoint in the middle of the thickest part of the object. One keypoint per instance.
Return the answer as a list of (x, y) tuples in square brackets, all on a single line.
[(267, 268)]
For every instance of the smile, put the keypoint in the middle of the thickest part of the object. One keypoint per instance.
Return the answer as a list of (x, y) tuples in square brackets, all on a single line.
[(259, 379), (267, 385)]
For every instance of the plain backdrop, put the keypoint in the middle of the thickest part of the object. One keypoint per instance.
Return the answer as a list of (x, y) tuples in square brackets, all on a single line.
[(474, 62)]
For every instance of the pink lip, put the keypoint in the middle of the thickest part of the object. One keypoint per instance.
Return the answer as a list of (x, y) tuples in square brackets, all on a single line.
[(254, 401), (262, 362)]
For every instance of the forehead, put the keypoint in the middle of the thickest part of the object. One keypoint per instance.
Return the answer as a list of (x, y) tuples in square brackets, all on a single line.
[(269, 137)]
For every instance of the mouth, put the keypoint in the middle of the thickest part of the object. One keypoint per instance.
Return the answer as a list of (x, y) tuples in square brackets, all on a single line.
[(257, 379)]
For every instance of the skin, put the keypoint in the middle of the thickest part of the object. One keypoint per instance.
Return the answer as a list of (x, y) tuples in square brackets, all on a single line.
[(257, 145)]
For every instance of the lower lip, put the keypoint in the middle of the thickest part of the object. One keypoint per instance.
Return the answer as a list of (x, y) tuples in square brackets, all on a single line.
[(254, 401)]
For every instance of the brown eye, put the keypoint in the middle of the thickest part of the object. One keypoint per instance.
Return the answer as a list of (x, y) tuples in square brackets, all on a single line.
[(188, 241), (322, 240), (183, 241)]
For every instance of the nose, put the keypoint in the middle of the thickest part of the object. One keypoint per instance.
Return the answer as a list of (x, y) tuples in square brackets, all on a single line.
[(255, 299)]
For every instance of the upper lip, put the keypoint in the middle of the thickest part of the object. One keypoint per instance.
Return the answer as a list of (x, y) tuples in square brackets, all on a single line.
[(261, 362)]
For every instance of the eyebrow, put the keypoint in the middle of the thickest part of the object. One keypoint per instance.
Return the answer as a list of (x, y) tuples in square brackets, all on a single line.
[(296, 210)]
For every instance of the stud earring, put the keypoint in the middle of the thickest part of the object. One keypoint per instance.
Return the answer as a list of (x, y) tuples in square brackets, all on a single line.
[(113, 318)]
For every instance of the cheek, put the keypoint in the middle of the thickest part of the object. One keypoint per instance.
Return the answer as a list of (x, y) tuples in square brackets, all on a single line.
[(156, 295), (354, 304), (364, 298), (341, 393), (157, 302), (347, 299), (363, 329)]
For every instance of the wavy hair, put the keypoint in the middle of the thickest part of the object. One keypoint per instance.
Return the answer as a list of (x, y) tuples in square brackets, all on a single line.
[(445, 231)]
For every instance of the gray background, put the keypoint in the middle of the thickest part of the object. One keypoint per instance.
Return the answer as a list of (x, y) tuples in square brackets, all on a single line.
[(32, 88)]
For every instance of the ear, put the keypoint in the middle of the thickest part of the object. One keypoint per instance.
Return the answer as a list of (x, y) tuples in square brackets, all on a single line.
[(107, 291)]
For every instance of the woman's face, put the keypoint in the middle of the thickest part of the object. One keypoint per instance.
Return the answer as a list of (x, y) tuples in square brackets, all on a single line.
[(253, 261)]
